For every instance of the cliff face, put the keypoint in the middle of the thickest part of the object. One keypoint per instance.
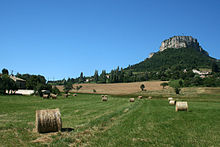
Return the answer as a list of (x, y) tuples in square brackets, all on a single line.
[(180, 42)]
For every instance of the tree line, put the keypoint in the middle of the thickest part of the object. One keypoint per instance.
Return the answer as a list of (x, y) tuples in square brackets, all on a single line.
[(33, 82)]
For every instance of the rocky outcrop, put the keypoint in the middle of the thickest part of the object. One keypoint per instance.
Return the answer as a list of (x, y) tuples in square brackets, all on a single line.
[(177, 42), (151, 55), (180, 42)]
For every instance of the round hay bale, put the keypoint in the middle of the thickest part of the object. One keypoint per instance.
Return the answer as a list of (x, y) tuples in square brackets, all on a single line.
[(48, 121), (181, 106), (140, 97), (150, 97), (106, 95), (131, 99), (170, 98), (45, 96), (74, 94), (104, 98), (172, 102), (54, 96)]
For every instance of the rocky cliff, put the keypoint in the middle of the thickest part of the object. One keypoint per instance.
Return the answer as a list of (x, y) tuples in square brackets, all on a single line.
[(180, 42), (177, 42)]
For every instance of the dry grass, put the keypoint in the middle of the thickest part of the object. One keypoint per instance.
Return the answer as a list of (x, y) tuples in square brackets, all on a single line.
[(117, 88)]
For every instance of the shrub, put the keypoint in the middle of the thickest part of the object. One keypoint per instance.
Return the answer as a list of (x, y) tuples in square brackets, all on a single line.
[(142, 87), (177, 90), (164, 84)]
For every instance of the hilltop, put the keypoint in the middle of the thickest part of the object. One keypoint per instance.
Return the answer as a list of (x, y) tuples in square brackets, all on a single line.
[(183, 51)]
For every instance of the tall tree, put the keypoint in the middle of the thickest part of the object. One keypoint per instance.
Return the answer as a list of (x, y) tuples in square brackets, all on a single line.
[(5, 71), (215, 67), (81, 78), (96, 76), (103, 77)]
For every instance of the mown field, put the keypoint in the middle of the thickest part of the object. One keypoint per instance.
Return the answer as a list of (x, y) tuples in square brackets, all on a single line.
[(116, 88), (87, 121)]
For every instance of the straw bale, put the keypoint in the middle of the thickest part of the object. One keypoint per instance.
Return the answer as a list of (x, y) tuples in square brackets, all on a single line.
[(48, 121), (131, 99), (172, 102), (181, 106)]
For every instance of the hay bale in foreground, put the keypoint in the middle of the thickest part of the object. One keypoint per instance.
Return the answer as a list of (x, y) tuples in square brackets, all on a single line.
[(104, 98), (150, 97), (48, 121), (74, 94), (54, 96), (45, 96), (131, 99), (140, 97), (170, 98), (172, 102), (181, 106)]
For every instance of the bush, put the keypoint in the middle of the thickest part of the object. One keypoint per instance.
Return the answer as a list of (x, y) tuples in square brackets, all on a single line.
[(142, 87), (177, 90)]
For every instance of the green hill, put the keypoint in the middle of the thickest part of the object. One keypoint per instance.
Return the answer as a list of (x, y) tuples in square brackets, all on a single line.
[(183, 58)]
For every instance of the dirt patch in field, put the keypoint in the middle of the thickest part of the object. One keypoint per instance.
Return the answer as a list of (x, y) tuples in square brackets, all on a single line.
[(117, 88)]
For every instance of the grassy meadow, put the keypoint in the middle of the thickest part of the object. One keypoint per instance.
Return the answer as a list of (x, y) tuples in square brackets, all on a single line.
[(87, 121)]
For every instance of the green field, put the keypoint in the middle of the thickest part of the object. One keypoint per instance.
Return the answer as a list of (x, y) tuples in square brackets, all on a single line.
[(113, 123)]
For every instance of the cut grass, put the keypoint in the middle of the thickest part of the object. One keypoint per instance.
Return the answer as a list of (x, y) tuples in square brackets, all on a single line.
[(116, 122)]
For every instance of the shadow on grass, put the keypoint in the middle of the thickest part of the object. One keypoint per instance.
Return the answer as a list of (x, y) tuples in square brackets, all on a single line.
[(67, 129)]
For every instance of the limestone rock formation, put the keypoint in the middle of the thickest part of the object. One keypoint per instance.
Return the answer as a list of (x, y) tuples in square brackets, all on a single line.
[(177, 42), (180, 42)]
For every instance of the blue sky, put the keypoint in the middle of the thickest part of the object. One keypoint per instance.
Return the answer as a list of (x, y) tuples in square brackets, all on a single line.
[(61, 38)]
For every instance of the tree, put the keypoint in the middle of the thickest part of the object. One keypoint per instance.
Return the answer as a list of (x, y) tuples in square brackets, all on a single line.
[(164, 84), (181, 83), (96, 76), (2, 91), (41, 86), (6, 83), (81, 78), (78, 87), (177, 90), (142, 87), (39, 89), (103, 77), (55, 90), (146, 76), (4, 71), (67, 87), (215, 67)]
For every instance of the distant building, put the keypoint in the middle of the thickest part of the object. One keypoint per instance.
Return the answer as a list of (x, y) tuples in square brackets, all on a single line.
[(21, 83), (88, 80), (24, 92), (202, 74)]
